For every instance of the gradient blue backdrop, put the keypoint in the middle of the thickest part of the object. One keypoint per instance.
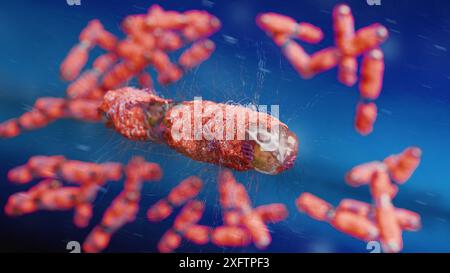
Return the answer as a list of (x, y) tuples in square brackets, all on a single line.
[(246, 67)]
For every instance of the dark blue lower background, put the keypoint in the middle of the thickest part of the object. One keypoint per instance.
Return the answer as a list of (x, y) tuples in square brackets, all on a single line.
[(246, 67)]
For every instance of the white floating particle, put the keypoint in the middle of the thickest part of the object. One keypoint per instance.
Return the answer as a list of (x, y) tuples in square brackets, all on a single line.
[(230, 39), (264, 70), (421, 202), (385, 111), (392, 21), (83, 148), (440, 47), (208, 3)]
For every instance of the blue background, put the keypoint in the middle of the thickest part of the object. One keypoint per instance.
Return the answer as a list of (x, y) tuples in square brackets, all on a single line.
[(246, 67)]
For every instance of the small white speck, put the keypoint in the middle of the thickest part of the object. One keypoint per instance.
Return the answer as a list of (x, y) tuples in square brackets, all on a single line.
[(440, 47), (208, 3), (264, 70), (83, 148), (421, 202), (385, 111), (230, 39), (422, 36), (391, 21)]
